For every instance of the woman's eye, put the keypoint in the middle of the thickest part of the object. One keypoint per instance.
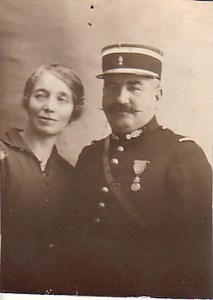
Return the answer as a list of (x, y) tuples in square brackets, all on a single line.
[(41, 96), (63, 99)]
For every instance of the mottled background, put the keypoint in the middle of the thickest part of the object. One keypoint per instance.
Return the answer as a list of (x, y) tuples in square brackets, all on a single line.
[(72, 32)]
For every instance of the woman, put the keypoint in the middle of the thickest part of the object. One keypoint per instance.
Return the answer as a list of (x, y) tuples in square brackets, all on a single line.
[(38, 188)]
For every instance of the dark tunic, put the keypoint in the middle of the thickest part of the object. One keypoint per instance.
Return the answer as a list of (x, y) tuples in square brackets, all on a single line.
[(38, 217), (170, 254)]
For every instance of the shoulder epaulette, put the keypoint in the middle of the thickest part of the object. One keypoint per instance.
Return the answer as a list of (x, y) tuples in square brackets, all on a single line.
[(185, 139)]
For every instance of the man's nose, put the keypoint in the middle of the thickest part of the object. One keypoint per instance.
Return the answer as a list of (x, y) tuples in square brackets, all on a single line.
[(123, 95)]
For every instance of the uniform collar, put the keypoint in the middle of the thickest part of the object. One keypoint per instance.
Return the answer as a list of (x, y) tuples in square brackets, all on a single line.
[(150, 126)]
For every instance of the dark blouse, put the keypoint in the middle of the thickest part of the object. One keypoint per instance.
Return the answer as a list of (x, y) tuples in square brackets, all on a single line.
[(38, 214)]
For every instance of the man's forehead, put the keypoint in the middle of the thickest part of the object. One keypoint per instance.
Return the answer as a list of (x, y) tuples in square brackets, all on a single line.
[(127, 78)]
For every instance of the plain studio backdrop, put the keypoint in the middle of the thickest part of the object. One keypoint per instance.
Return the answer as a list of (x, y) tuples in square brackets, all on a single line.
[(73, 32)]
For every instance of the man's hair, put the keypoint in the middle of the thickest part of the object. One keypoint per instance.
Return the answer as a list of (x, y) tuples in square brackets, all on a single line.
[(66, 75)]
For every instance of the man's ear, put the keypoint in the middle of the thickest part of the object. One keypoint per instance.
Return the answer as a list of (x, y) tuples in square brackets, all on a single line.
[(159, 93)]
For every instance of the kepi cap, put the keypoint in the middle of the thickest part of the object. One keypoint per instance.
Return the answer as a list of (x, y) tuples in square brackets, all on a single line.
[(131, 59)]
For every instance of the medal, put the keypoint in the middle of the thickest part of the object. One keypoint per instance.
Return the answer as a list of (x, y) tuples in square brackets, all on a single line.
[(135, 187), (139, 167)]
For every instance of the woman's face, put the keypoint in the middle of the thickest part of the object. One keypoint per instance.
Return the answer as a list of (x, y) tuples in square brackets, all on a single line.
[(50, 105)]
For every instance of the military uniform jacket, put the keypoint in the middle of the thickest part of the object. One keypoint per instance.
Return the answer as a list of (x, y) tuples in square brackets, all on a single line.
[(169, 254)]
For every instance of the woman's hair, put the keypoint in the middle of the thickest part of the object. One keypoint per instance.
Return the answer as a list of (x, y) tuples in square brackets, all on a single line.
[(66, 75)]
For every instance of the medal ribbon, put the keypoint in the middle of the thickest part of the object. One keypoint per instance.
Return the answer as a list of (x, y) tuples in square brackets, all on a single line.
[(139, 166)]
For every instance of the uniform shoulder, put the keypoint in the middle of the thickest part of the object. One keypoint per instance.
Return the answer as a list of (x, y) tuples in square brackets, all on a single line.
[(90, 153), (186, 147), (67, 166), (181, 144), (179, 138), (93, 145)]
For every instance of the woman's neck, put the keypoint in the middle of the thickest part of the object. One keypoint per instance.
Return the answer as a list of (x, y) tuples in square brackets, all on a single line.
[(40, 145)]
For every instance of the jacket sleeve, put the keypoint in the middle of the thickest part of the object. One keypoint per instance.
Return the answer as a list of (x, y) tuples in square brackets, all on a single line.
[(190, 192)]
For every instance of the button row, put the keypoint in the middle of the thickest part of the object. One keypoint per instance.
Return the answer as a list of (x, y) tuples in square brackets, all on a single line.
[(114, 161), (101, 204), (105, 189), (120, 148)]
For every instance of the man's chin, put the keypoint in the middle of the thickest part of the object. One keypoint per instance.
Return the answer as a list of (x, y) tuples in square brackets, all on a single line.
[(122, 127)]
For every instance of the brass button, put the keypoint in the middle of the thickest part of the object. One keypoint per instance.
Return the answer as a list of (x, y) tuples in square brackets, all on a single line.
[(128, 136), (105, 189), (101, 204), (114, 161), (120, 148), (97, 220)]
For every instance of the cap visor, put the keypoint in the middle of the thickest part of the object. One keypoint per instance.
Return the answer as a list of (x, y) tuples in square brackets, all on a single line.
[(128, 71)]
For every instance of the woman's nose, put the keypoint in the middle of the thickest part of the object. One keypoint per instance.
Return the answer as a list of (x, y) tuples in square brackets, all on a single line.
[(123, 95), (50, 104)]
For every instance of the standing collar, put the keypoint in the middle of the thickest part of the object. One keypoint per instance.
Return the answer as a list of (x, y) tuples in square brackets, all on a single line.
[(150, 126)]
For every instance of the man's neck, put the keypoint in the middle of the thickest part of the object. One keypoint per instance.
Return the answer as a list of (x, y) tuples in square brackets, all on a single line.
[(150, 126)]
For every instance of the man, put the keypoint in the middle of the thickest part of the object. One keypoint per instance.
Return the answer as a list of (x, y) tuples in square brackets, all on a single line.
[(146, 191)]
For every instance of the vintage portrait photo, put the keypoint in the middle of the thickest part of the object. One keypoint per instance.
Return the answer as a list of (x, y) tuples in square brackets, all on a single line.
[(106, 149)]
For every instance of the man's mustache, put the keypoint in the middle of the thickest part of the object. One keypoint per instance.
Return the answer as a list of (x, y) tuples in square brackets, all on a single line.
[(116, 108)]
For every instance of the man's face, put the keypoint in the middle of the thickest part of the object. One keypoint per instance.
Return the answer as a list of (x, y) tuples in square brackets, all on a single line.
[(129, 101)]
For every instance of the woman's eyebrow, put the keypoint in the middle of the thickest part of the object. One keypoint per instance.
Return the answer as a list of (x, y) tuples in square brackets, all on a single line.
[(63, 93), (41, 90)]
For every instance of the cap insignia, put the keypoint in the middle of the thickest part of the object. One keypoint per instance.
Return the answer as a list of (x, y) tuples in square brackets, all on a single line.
[(120, 60)]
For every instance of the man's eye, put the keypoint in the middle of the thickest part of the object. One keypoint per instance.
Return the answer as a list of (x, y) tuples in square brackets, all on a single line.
[(110, 87), (134, 88)]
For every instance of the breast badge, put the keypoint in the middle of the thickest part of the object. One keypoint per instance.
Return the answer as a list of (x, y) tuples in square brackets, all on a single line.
[(139, 167)]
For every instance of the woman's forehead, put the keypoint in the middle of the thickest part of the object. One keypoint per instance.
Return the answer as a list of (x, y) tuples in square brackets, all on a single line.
[(51, 81)]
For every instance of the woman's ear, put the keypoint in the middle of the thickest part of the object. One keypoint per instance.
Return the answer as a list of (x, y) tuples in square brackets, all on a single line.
[(77, 111)]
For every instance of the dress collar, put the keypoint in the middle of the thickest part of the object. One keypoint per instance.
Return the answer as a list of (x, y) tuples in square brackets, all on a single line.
[(14, 139)]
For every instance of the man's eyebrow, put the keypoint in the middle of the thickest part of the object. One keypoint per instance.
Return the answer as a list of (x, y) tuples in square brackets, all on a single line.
[(109, 81), (135, 82)]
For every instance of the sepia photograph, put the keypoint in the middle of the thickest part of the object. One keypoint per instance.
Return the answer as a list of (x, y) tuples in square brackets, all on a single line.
[(106, 149)]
